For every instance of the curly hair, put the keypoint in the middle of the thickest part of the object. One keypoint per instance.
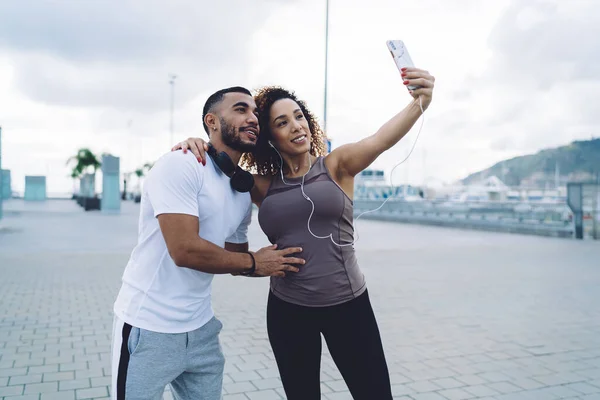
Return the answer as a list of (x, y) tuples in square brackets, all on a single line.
[(264, 160)]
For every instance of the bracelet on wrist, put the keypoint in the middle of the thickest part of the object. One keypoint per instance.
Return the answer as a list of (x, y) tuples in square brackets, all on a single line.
[(252, 269)]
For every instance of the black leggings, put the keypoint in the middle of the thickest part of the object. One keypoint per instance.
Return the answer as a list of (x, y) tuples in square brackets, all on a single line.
[(352, 336)]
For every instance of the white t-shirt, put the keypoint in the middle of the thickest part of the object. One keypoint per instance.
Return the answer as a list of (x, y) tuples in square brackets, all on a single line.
[(156, 294)]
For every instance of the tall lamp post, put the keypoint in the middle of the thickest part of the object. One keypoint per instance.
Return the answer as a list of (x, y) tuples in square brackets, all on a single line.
[(326, 64), (172, 83)]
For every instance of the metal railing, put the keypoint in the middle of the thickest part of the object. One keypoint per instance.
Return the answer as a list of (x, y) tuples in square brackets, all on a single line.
[(539, 219)]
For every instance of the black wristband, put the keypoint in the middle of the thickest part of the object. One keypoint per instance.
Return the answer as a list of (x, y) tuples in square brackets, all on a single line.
[(252, 269)]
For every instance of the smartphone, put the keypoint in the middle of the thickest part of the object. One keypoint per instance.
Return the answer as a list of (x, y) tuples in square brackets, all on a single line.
[(401, 57)]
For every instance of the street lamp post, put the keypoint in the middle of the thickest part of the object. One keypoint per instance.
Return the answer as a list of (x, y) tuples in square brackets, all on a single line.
[(172, 83), (326, 64)]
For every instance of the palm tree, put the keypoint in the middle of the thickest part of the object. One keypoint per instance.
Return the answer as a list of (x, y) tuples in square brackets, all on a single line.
[(83, 162), (140, 173)]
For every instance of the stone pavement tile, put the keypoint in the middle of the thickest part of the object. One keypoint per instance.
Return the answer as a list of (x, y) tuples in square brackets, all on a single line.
[(73, 366), (455, 394), (8, 372), (467, 369), (569, 366), (53, 349), (94, 350), (480, 390), (101, 381), (41, 387), (58, 376), (42, 369), (338, 385), (30, 349), (414, 366), (4, 381), (401, 390), (494, 377), (517, 373), (437, 363), (24, 397), (500, 355), (504, 387), (470, 380), (89, 373), (229, 368), (559, 378), (583, 388), (228, 351), (235, 397), (536, 394), (591, 397), (91, 393), (62, 359), (479, 358), (427, 396), (324, 389), (563, 391), (264, 395), (249, 366), (22, 379), (442, 372), (396, 378), (595, 382), (29, 362), (447, 383), (11, 390), (98, 365), (74, 384), (91, 358), (244, 376), (330, 374), (339, 396), (491, 366), (420, 375), (592, 373), (239, 387), (423, 386), (62, 395), (527, 384), (249, 358), (270, 383)]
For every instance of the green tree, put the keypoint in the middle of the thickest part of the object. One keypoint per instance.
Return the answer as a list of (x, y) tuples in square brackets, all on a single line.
[(84, 161)]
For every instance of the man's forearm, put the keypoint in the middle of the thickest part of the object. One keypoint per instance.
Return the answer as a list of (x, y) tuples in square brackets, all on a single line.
[(202, 255)]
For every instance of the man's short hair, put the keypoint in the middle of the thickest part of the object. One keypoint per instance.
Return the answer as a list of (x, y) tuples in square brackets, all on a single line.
[(216, 98)]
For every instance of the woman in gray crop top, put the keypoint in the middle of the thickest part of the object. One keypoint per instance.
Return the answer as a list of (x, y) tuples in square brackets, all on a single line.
[(328, 296)]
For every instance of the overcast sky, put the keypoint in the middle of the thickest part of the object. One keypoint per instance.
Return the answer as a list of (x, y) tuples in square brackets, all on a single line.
[(513, 76)]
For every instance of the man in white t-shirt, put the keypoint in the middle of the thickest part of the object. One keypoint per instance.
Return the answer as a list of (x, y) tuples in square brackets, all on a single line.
[(193, 224)]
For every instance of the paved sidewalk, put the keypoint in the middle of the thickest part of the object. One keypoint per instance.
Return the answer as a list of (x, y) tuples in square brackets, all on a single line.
[(463, 314)]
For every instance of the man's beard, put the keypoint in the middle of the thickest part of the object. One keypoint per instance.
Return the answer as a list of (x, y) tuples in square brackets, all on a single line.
[(233, 140)]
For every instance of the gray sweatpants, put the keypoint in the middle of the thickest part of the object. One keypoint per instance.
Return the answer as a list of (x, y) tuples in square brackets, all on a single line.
[(145, 362)]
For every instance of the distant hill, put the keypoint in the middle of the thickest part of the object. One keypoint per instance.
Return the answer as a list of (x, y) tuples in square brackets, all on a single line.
[(579, 160)]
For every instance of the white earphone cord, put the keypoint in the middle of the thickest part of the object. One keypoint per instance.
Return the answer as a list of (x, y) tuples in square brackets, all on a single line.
[(301, 184)]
